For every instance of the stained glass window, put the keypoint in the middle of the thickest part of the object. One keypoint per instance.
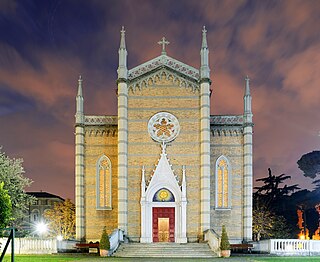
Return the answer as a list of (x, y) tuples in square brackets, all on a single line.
[(103, 183), (163, 195), (223, 173)]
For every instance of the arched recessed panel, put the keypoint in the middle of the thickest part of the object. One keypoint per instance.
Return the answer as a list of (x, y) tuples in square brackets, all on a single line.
[(223, 183), (103, 183)]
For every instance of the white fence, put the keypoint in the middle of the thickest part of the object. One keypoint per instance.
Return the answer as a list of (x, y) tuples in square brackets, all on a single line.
[(288, 247), (30, 246)]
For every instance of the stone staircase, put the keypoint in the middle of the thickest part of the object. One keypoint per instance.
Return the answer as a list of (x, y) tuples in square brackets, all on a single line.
[(189, 250)]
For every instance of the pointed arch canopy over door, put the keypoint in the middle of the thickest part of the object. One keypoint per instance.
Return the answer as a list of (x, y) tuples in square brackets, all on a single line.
[(162, 181)]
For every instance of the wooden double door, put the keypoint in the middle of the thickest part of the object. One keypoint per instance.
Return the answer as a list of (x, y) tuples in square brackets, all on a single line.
[(163, 224)]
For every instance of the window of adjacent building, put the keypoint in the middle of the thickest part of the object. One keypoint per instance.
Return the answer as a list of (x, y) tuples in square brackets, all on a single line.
[(223, 183), (35, 215), (103, 183)]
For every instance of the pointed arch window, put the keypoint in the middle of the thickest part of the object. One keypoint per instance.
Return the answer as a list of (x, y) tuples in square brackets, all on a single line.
[(103, 183), (223, 183)]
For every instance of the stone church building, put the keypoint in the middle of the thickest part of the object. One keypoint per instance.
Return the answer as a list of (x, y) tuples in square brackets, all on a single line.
[(164, 169)]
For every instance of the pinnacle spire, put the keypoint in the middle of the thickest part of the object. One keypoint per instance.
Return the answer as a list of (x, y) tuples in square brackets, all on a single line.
[(247, 101), (80, 86), (122, 69), (122, 39), (247, 90), (79, 103), (204, 55), (143, 181), (204, 38)]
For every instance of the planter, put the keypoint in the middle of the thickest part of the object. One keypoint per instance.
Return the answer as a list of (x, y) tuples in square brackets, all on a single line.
[(225, 253), (103, 253)]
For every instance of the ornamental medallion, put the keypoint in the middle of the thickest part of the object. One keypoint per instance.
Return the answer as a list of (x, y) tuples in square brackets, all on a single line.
[(163, 127)]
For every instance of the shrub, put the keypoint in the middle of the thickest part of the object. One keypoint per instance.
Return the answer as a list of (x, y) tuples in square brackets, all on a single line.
[(104, 241), (224, 244)]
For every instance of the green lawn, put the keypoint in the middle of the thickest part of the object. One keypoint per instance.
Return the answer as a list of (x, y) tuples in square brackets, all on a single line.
[(89, 258)]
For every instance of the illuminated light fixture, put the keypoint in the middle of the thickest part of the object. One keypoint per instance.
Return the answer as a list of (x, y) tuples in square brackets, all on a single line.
[(59, 238), (41, 228)]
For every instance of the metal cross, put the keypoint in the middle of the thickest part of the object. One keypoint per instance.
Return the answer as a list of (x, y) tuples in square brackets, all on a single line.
[(163, 42)]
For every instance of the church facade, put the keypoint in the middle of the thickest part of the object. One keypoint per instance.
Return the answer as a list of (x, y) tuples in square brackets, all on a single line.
[(164, 169)]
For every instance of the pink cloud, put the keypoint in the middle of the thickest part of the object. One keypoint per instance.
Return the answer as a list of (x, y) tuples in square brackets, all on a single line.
[(301, 74), (47, 85)]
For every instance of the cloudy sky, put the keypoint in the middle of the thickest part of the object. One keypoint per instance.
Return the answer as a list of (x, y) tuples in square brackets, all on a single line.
[(46, 45)]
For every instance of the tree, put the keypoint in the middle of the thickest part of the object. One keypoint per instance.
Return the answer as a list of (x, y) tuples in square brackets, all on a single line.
[(270, 193), (270, 201), (310, 164), (11, 174), (104, 240), (5, 207), (224, 243), (61, 219), (266, 224), (262, 221)]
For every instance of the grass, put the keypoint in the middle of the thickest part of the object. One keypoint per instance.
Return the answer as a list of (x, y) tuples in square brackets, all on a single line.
[(89, 258)]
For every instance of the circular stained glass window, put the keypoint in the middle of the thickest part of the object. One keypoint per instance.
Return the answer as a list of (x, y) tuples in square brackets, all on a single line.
[(163, 127)]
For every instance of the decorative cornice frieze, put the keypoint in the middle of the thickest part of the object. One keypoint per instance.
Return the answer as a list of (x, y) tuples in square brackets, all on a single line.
[(100, 120), (167, 61), (168, 74), (220, 131), (226, 120), (101, 131)]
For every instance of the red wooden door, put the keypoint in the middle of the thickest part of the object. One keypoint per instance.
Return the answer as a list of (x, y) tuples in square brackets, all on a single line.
[(162, 212)]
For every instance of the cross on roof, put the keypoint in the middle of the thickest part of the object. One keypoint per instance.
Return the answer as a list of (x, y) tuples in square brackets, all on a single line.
[(163, 42)]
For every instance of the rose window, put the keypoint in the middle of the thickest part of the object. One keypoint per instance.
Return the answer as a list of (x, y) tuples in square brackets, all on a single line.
[(163, 127)]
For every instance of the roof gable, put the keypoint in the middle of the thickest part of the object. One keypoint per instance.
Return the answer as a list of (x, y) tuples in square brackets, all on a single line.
[(163, 67), (164, 61)]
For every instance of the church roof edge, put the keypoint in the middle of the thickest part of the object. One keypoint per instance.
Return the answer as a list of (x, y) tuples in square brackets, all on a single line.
[(161, 61)]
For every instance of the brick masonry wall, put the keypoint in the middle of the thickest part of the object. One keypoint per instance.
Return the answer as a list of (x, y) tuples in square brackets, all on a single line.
[(232, 148), (163, 95), (184, 103), (98, 143)]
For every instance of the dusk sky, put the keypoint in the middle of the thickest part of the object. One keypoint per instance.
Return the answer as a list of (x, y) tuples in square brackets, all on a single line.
[(46, 45)]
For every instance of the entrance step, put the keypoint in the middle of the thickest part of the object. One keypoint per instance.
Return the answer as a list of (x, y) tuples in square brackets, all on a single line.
[(165, 250)]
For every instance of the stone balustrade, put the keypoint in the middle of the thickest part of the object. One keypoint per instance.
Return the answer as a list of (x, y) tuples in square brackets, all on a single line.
[(30, 246), (288, 247)]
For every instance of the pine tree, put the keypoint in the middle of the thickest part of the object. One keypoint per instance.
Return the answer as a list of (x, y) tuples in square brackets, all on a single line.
[(224, 244), (104, 241)]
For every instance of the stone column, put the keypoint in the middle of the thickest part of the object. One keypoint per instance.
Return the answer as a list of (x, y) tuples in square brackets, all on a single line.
[(123, 156), (204, 135), (183, 208), (144, 222), (122, 136), (79, 164), (247, 165)]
